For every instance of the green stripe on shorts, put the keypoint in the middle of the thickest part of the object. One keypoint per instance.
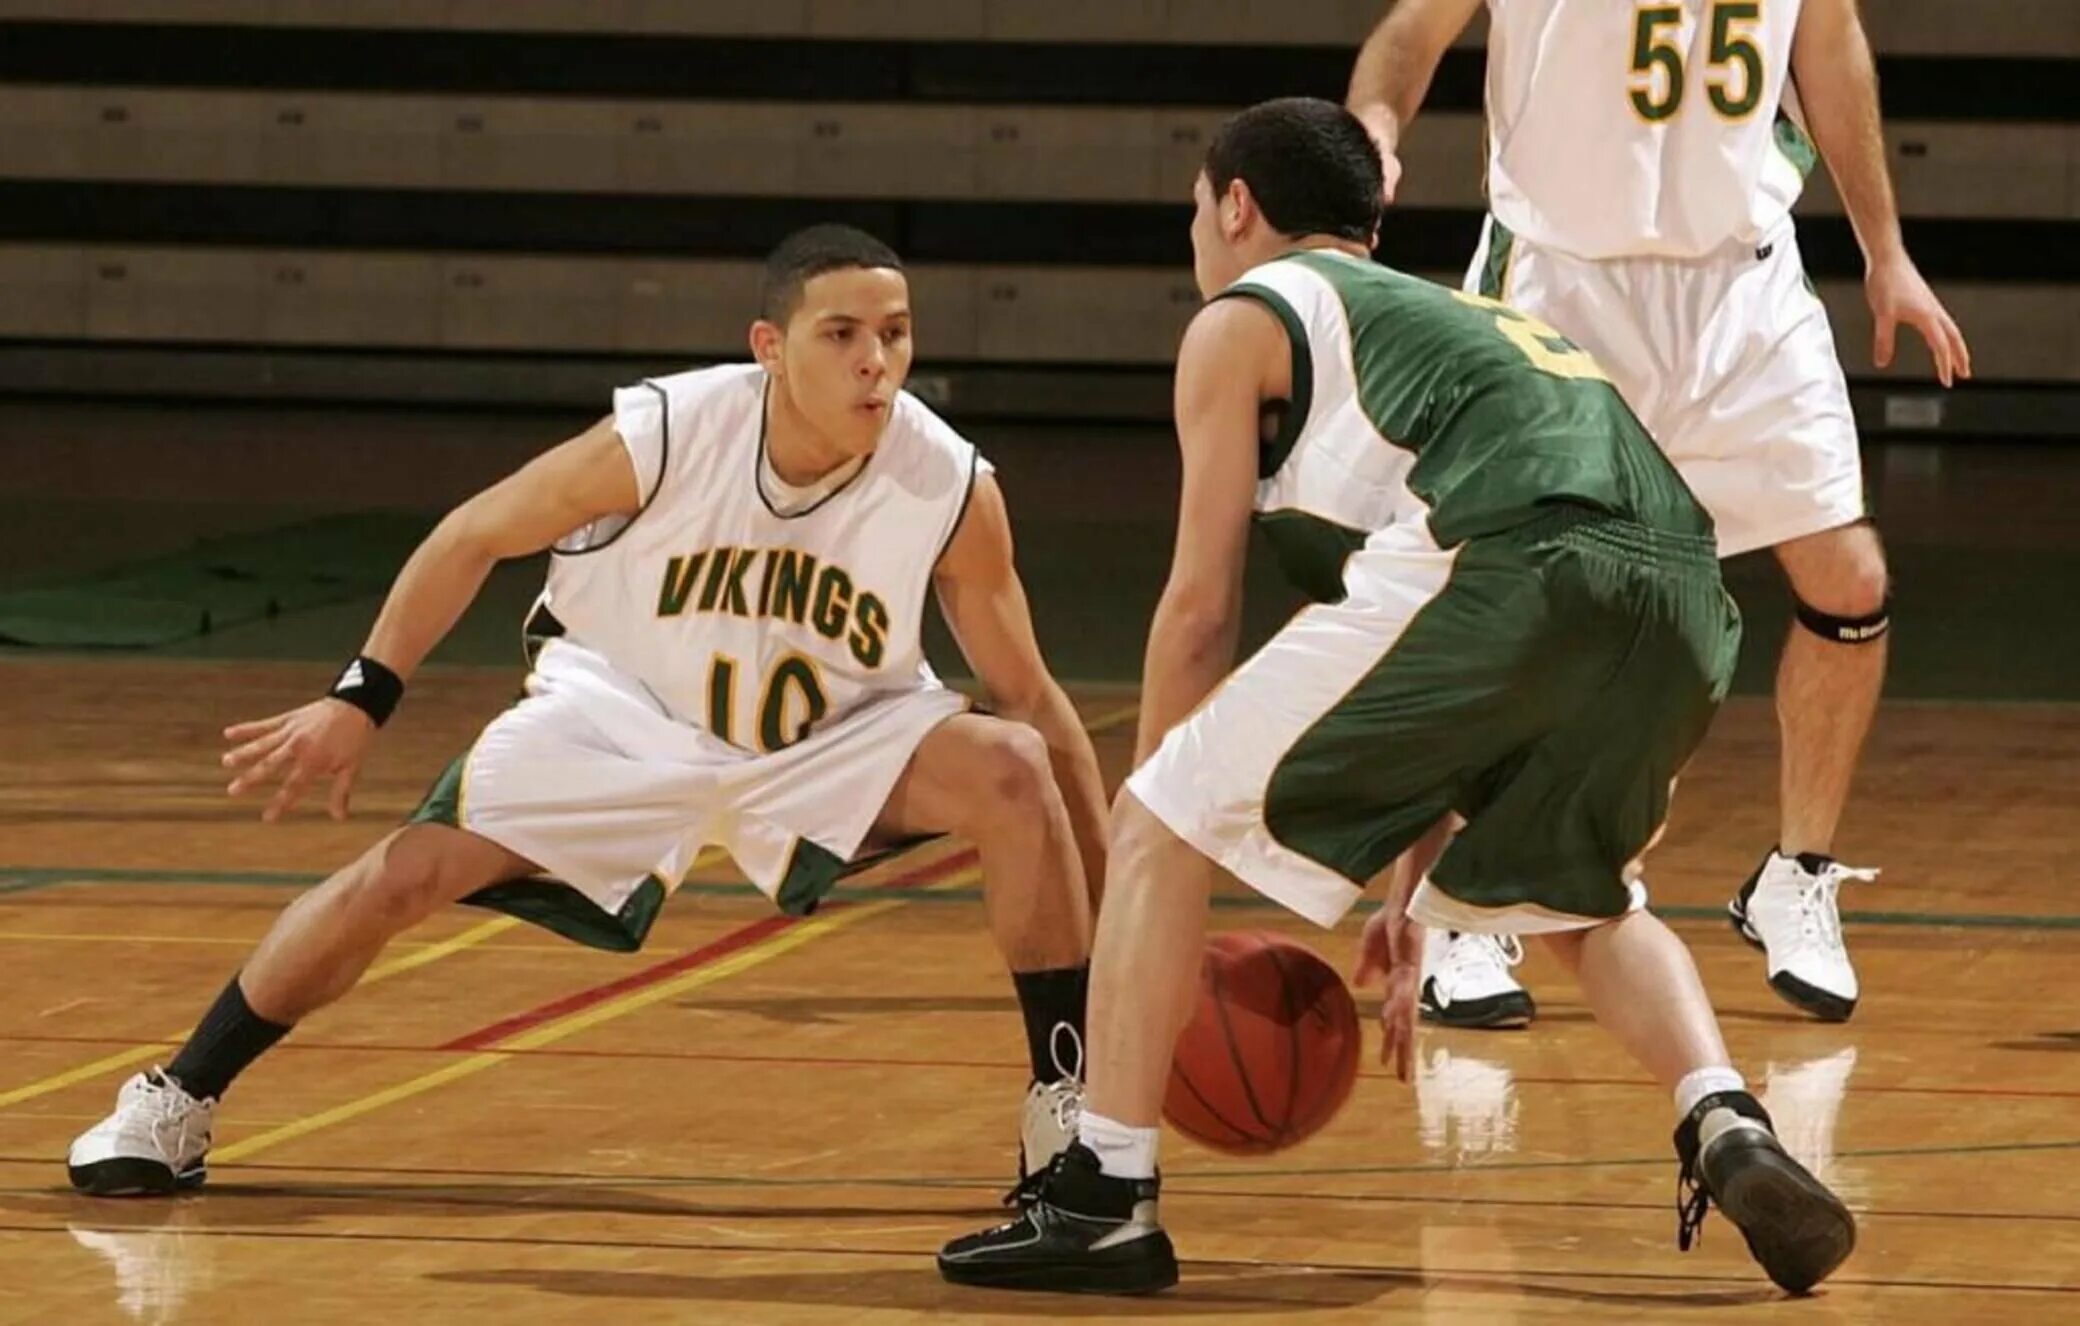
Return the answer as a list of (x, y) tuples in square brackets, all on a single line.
[(1502, 245)]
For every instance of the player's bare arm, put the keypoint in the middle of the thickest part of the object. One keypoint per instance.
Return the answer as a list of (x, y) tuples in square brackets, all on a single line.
[(1395, 67), (985, 605), (1234, 359), (584, 479), (1838, 87)]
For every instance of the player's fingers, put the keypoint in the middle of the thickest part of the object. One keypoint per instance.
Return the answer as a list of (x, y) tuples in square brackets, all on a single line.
[(282, 757), (264, 744), (1881, 340), (1929, 323), (290, 794), (244, 731), (343, 791), (1960, 350)]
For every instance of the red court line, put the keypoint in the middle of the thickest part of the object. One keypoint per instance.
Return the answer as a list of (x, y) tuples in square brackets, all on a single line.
[(486, 1037)]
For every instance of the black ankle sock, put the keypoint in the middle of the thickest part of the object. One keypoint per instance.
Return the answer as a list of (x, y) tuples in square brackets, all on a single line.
[(1051, 1000), (229, 1037)]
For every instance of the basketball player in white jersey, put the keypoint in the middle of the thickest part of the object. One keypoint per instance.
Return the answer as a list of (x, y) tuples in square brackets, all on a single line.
[(1643, 160), (728, 651)]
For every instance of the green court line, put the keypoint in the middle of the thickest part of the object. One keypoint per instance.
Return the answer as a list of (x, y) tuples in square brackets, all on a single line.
[(22, 879)]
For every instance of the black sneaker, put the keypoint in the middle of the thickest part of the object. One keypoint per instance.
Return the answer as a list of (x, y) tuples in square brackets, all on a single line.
[(1085, 1232), (1796, 1229)]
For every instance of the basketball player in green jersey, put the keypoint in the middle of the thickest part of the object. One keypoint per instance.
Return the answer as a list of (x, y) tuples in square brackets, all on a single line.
[(1531, 638), (1643, 160)]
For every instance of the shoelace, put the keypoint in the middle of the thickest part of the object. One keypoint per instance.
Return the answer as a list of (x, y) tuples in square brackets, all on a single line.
[(160, 1098), (1692, 1203), (166, 1109), (1067, 1100), (1819, 914), (1479, 954)]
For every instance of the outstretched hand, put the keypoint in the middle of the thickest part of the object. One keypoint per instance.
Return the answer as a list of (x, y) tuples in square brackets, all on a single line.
[(1389, 953), (326, 738)]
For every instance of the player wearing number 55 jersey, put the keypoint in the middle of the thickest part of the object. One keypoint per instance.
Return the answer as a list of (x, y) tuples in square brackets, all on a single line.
[(1643, 159), (728, 651)]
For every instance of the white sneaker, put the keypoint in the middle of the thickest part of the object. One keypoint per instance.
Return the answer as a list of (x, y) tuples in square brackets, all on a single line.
[(1467, 981), (155, 1142), (1048, 1123), (1788, 910)]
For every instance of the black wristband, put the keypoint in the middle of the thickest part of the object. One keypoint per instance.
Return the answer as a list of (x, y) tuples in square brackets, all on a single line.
[(370, 687)]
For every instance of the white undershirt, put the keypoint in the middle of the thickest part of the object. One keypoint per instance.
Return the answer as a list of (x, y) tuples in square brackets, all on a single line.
[(787, 499)]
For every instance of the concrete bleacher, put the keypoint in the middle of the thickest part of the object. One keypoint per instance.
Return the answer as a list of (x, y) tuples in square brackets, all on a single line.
[(189, 283), (1905, 27), (1130, 316), (831, 150)]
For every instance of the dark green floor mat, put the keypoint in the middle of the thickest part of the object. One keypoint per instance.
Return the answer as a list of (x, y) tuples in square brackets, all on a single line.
[(1972, 622), (214, 584)]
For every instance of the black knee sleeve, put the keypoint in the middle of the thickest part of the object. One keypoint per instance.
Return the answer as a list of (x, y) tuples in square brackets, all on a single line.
[(1844, 630)]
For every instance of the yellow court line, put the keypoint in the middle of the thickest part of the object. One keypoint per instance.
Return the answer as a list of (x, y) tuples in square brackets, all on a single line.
[(766, 950), (469, 938), (60, 1081), (476, 934), (57, 936), (223, 941), (1116, 718)]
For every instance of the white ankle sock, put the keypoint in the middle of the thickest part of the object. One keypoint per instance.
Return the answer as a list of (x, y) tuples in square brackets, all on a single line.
[(1701, 1082), (1123, 1152)]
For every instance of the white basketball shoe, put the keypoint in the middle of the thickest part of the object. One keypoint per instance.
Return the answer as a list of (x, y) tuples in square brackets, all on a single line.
[(1788, 909), (1467, 980), (1047, 1125), (155, 1142)]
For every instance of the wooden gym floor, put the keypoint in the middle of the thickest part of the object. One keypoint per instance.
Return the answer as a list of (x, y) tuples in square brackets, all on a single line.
[(755, 1121)]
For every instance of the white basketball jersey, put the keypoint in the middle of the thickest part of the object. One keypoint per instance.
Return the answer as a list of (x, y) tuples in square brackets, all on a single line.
[(1620, 130), (756, 626)]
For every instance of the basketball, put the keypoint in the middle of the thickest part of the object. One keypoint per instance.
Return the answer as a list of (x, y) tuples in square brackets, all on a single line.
[(1271, 1052)]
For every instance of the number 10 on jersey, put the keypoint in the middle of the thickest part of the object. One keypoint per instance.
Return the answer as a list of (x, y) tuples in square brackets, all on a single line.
[(790, 701), (1734, 83)]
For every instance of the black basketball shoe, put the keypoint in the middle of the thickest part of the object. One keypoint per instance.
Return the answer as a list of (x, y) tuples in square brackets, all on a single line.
[(1796, 1229), (1084, 1232)]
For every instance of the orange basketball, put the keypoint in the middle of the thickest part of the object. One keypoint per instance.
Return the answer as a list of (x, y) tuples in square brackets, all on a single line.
[(1272, 1049)]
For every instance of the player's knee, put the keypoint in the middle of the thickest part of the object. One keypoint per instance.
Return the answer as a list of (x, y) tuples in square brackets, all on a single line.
[(398, 884), (1852, 583), (1013, 774), (1865, 585), (1135, 836)]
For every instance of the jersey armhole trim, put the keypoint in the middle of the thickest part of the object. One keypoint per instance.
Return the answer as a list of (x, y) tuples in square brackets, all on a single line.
[(664, 465), (1271, 456), (960, 517)]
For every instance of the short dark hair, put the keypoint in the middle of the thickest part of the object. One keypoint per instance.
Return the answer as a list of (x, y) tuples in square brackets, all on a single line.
[(1310, 164), (809, 253)]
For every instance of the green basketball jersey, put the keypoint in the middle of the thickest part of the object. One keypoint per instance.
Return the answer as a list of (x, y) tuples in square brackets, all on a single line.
[(1414, 402)]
